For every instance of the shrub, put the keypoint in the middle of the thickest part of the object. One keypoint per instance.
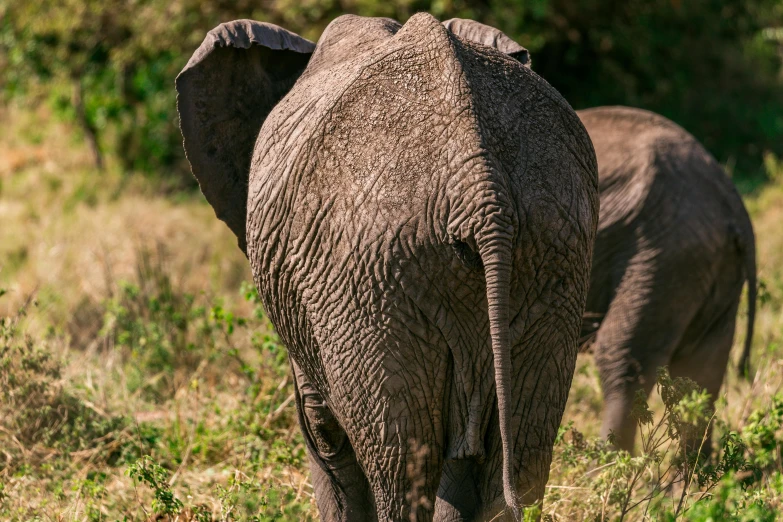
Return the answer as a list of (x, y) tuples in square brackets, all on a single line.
[(164, 334), (38, 416), (109, 66), (670, 479)]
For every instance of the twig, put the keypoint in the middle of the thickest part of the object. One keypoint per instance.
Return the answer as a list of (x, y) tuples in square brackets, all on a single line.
[(275, 414)]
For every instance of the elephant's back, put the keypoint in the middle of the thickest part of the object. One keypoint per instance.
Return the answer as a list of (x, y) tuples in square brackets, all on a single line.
[(652, 170), (635, 149), (401, 135), (360, 195), (663, 197)]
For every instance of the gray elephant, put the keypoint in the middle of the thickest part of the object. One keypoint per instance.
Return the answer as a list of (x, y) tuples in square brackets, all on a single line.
[(674, 248), (419, 212)]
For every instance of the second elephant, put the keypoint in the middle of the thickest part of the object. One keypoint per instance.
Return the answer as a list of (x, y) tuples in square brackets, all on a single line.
[(673, 250)]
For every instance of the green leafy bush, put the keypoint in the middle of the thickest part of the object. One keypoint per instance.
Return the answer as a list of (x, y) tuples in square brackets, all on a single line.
[(731, 501), (709, 66), (147, 471), (671, 478), (109, 66), (45, 426)]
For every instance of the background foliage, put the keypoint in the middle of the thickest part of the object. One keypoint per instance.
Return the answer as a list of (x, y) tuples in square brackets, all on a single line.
[(711, 65), (141, 380)]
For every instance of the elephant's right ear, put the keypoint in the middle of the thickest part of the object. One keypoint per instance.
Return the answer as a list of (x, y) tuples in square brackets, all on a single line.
[(225, 92), (489, 36)]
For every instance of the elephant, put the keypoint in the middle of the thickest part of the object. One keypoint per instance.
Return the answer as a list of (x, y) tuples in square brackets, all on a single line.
[(674, 247), (419, 211)]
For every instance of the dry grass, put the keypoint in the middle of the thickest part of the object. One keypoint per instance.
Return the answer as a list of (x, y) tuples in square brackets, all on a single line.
[(81, 244), (155, 351)]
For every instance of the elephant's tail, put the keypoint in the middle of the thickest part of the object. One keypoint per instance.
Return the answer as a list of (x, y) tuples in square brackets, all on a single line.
[(495, 252), (749, 254)]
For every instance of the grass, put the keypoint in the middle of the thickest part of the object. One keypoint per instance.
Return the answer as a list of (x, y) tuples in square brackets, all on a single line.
[(141, 380)]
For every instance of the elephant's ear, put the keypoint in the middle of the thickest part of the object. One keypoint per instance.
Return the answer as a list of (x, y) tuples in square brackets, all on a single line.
[(485, 35), (225, 92)]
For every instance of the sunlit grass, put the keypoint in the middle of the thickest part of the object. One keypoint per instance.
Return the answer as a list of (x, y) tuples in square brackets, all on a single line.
[(144, 342)]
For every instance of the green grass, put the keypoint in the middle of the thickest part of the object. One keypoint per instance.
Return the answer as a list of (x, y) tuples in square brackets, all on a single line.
[(179, 403), (140, 377)]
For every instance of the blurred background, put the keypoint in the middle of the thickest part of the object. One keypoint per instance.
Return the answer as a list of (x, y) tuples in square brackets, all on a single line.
[(140, 378), (107, 66)]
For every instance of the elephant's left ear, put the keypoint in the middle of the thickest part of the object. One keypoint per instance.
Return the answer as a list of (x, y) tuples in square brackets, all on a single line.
[(225, 92), (489, 36)]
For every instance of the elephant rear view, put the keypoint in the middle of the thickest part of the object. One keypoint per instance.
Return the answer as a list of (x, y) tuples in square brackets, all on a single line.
[(419, 212), (674, 248)]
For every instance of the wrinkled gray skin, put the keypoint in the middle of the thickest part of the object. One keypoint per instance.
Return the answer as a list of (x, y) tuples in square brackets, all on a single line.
[(419, 212), (674, 247)]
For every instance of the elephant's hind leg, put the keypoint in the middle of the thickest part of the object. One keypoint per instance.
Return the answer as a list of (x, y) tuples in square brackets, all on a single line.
[(639, 334), (341, 489), (458, 495), (706, 363)]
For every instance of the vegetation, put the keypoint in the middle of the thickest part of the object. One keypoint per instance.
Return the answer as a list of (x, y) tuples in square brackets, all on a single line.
[(141, 380), (136, 379), (139, 376), (109, 65)]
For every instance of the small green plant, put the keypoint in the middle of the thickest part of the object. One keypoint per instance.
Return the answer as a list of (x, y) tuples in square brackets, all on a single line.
[(731, 501), (671, 478), (764, 295), (147, 471), (763, 432), (232, 497), (531, 514), (165, 334)]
